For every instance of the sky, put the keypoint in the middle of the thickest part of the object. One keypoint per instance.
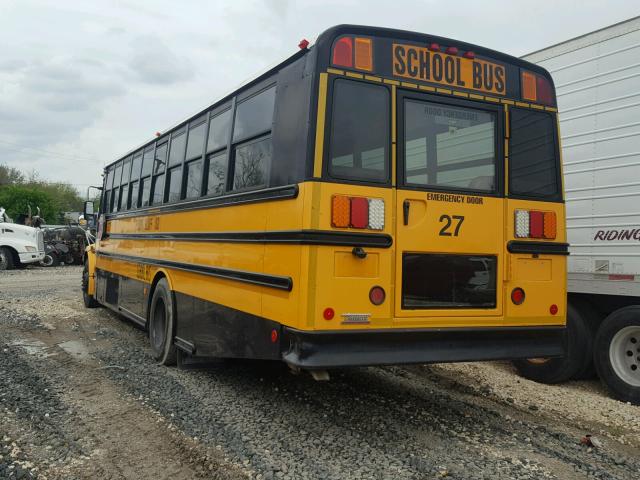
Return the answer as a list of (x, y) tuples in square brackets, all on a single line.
[(83, 82)]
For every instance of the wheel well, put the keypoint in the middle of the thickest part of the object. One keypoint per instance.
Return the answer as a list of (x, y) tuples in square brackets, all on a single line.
[(159, 276), (14, 254), (603, 305)]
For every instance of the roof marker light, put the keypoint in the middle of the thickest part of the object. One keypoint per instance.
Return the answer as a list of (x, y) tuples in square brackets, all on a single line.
[(434, 47), (469, 55), (304, 44), (451, 50)]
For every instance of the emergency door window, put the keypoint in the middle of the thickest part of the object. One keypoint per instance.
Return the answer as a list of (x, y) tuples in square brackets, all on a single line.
[(449, 147)]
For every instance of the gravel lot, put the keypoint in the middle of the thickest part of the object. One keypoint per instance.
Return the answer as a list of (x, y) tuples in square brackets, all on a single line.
[(80, 397)]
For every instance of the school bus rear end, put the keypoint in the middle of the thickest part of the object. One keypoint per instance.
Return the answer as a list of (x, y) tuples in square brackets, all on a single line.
[(457, 280)]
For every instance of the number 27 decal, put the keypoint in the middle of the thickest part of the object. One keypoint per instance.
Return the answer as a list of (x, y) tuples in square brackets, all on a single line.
[(445, 231)]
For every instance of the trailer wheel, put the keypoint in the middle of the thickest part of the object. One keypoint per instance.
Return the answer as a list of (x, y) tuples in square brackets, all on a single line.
[(578, 341), (617, 354), (6, 259), (89, 301), (161, 324)]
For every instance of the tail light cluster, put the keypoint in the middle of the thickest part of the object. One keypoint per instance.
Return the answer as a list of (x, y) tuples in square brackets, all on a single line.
[(536, 88), (357, 212), (535, 224), (353, 52)]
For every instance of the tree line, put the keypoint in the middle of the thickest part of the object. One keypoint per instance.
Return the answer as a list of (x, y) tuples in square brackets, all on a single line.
[(19, 191)]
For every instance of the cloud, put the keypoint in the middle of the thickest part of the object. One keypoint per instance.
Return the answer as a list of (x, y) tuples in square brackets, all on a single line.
[(155, 63)]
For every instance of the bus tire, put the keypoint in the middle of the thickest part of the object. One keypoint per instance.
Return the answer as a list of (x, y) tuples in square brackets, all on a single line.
[(557, 370), (88, 300), (162, 324), (6, 258), (617, 354)]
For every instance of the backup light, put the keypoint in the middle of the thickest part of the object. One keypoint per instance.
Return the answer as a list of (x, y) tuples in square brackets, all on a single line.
[(535, 224), (376, 213)]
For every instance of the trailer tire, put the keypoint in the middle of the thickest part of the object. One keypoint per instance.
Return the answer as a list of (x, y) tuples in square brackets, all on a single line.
[(6, 258), (617, 354), (557, 370), (50, 260), (592, 320), (162, 316)]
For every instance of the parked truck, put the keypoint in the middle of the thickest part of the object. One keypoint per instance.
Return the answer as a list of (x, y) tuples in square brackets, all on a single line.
[(20, 245), (597, 77)]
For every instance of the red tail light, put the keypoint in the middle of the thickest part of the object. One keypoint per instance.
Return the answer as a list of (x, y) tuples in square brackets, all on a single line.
[(553, 309), (536, 224), (359, 212), (343, 52), (377, 295), (517, 296)]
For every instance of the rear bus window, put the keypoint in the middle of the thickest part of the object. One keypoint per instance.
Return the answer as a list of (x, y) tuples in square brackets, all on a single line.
[(533, 164), (449, 147), (359, 132)]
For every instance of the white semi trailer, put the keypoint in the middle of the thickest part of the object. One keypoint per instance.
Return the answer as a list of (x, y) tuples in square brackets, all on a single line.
[(597, 77)]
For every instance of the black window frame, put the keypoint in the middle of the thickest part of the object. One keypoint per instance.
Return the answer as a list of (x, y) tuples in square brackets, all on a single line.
[(209, 154), (154, 176), (558, 197), (326, 160), (499, 136), (259, 136)]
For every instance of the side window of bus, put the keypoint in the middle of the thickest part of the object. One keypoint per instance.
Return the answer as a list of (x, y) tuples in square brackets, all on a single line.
[(533, 162), (136, 165), (115, 196), (176, 157), (124, 190), (193, 164), (145, 176), (159, 164), (359, 148), (108, 185), (217, 155), (252, 141)]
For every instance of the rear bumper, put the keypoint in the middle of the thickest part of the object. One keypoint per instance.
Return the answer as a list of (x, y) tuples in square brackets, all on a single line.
[(393, 347)]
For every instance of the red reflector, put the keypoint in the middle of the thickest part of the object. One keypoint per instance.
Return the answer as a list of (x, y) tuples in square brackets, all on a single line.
[(343, 52), (451, 51), (304, 43), (469, 55), (359, 212), (517, 296), (434, 47), (377, 295), (543, 87), (274, 336), (536, 224), (328, 313), (553, 309)]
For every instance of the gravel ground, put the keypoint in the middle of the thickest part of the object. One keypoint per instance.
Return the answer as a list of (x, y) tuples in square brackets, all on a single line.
[(82, 398)]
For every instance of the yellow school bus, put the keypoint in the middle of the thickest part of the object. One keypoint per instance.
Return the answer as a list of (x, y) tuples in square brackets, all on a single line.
[(380, 197)]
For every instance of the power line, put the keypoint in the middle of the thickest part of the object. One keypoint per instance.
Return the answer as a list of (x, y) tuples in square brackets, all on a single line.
[(18, 147)]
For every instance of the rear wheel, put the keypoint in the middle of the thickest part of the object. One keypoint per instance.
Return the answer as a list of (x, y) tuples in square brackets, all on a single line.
[(88, 299), (578, 341), (161, 324), (6, 259), (617, 354)]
